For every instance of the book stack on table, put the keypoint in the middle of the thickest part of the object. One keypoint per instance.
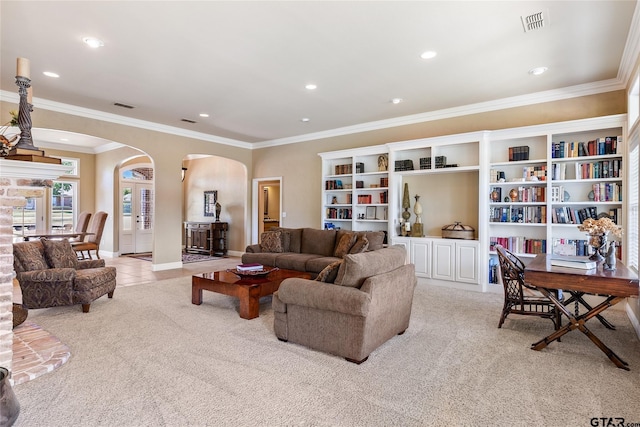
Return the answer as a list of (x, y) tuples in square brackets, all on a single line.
[(582, 263), (250, 267)]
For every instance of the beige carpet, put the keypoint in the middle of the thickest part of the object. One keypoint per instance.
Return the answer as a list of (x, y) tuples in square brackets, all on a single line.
[(149, 357)]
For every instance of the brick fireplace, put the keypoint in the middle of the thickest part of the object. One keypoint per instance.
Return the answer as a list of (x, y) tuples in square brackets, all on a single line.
[(18, 180)]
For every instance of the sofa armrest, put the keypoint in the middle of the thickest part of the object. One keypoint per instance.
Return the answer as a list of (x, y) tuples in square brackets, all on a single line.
[(90, 263), (392, 290), (47, 288), (47, 276), (324, 296), (253, 248)]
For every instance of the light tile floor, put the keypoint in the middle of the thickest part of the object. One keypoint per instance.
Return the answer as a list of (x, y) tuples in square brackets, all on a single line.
[(36, 351)]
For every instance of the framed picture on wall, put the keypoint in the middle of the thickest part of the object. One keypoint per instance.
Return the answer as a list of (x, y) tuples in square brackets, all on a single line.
[(210, 199)]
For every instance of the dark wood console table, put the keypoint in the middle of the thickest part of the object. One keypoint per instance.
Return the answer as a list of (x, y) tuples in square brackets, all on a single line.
[(206, 237)]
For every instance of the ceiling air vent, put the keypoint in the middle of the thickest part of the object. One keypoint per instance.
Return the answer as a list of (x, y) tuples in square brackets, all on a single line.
[(188, 120), (535, 21), (119, 104)]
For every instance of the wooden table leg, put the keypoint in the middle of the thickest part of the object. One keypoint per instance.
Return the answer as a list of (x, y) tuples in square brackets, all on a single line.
[(196, 293), (579, 323), (577, 297), (250, 302)]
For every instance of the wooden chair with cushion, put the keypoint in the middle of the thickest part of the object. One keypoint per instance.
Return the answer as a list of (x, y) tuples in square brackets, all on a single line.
[(93, 238), (81, 227), (520, 297)]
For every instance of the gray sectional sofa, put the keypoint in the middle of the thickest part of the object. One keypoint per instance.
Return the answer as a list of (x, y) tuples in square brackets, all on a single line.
[(309, 249)]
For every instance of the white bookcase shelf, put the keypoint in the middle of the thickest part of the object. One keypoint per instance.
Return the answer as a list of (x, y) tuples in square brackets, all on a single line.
[(456, 177)]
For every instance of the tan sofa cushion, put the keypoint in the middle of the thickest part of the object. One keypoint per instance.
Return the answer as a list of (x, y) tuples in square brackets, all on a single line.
[(320, 242), (356, 268)]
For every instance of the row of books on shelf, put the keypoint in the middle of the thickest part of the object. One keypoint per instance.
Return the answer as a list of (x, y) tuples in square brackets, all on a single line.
[(611, 168), (597, 147), (568, 215), (519, 244), (344, 169), (519, 214), (333, 184), (339, 213), (519, 153)]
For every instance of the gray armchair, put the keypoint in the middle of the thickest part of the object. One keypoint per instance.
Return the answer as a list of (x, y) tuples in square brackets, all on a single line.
[(369, 303)]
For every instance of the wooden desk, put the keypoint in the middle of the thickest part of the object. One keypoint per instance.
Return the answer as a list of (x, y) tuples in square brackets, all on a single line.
[(615, 286)]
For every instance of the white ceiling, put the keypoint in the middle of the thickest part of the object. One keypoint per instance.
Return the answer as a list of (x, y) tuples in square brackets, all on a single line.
[(246, 63)]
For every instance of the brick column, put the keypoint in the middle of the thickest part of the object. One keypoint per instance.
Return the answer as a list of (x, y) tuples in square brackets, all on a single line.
[(18, 180)]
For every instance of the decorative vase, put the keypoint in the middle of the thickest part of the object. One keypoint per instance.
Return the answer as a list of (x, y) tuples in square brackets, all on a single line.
[(406, 214), (9, 406), (417, 226), (599, 244)]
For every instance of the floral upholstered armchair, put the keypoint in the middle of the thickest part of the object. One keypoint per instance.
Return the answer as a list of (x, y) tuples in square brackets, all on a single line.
[(51, 275)]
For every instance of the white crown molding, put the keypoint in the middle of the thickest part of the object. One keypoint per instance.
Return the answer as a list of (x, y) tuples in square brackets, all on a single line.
[(59, 107), (499, 104), (631, 51)]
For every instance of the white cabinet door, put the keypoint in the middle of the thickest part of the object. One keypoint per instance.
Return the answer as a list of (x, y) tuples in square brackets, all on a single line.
[(404, 242), (467, 262), (421, 257), (443, 260)]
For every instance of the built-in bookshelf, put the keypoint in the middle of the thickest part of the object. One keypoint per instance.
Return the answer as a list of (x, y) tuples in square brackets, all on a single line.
[(574, 172), (356, 189), (525, 188)]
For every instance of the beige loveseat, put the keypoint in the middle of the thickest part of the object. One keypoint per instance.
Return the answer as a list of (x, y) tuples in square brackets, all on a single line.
[(368, 304), (309, 249)]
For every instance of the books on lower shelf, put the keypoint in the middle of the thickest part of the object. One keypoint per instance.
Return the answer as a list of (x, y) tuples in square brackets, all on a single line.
[(582, 263), (250, 267)]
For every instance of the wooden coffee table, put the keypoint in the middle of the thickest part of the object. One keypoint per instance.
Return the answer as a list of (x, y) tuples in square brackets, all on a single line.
[(248, 289)]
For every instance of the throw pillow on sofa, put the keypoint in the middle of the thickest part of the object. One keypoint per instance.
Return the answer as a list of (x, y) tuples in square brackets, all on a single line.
[(274, 241), (329, 273), (59, 253), (361, 245), (344, 244)]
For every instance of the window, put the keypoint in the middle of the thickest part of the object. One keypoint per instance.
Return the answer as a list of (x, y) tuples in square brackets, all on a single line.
[(73, 164), (64, 197), (634, 103)]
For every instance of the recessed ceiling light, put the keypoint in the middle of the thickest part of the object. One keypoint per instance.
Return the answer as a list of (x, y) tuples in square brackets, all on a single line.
[(204, 115), (93, 42), (311, 86), (64, 139), (305, 119), (51, 74), (428, 54), (396, 100), (537, 71)]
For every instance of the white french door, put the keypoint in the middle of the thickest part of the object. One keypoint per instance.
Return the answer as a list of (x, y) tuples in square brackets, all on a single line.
[(136, 210)]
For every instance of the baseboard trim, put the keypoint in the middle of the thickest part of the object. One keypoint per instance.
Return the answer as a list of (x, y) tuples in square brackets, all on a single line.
[(633, 318)]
